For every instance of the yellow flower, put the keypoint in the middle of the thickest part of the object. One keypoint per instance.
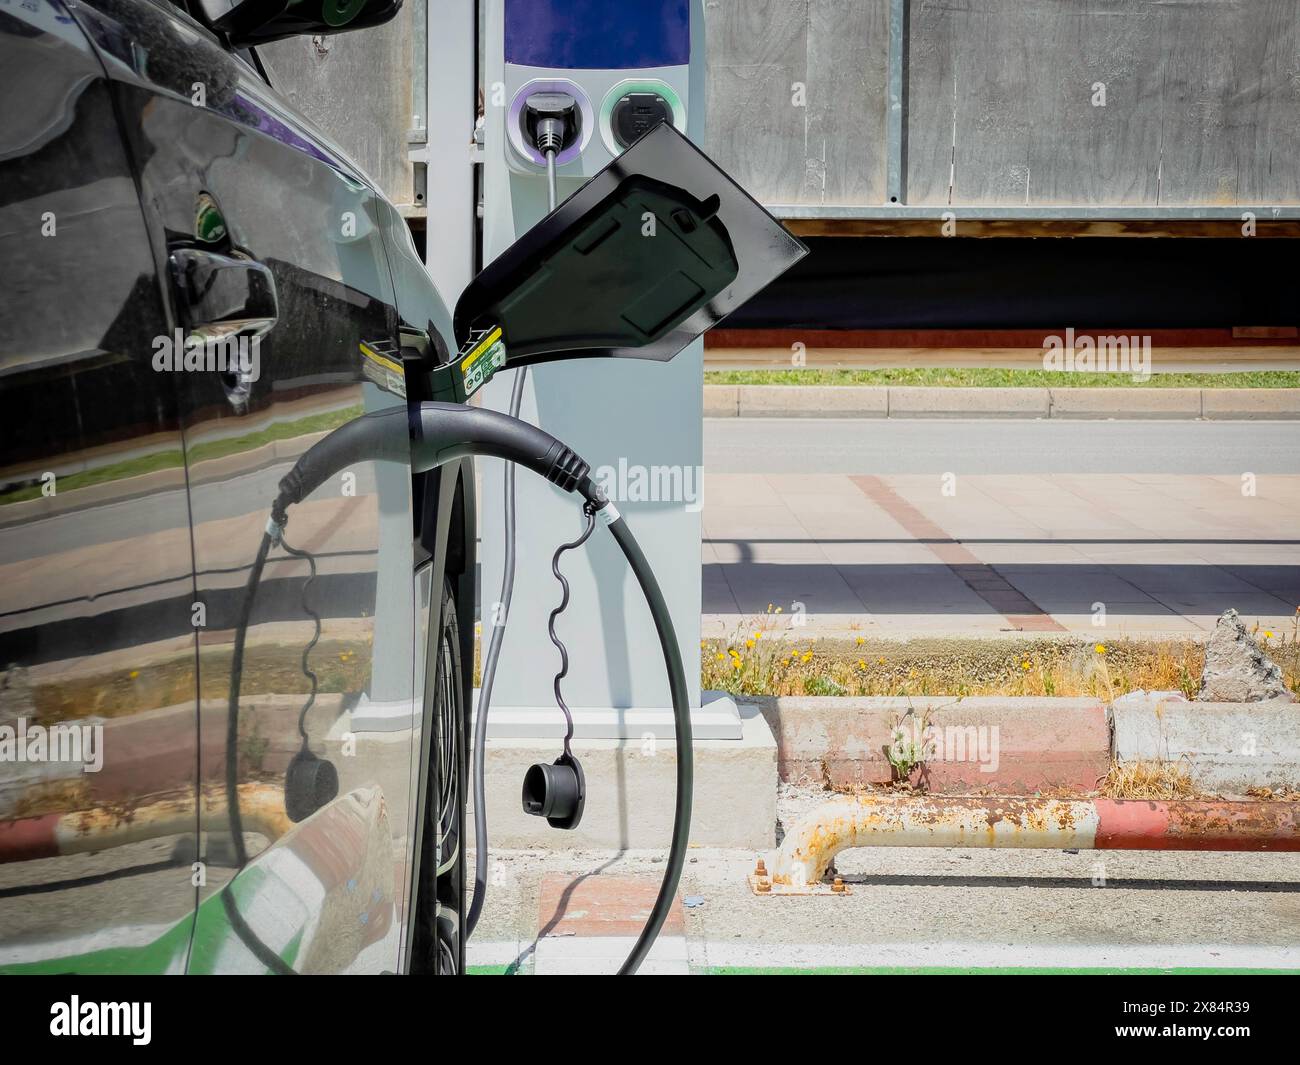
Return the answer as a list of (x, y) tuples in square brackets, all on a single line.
[(720, 656), (749, 643), (778, 609), (1267, 635), (861, 664), (1100, 648), (806, 657), (785, 661), (861, 640), (758, 635), (736, 664), (1024, 665), (880, 661), (134, 673)]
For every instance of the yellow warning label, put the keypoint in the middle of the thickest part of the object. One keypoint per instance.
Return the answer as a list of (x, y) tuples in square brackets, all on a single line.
[(485, 359), (383, 360), (382, 370), (479, 348)]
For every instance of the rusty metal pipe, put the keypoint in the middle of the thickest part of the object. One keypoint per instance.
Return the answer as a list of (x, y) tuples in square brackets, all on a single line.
[(103, 827), (1050, 824)]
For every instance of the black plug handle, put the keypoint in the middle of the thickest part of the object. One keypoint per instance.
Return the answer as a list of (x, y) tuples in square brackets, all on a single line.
[(442, 432), (382, 436)]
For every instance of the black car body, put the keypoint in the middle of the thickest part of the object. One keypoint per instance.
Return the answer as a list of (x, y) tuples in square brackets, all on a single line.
[(153, 188)]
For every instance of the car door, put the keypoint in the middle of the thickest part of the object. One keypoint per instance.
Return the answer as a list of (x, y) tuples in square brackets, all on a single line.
[(97, 650), (238, 189)]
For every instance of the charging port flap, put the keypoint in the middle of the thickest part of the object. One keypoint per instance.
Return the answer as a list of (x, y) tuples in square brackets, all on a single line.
[(647, 255)]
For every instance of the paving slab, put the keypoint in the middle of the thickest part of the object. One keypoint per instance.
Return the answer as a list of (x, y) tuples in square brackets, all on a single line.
[(1165, 554)]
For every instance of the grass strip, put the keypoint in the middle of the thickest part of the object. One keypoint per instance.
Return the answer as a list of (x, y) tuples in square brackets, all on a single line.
[(993, 377), (173, 458)]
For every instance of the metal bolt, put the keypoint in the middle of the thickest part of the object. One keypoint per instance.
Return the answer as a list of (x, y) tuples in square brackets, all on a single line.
[(760, 869), (838, 886), (763, 887)]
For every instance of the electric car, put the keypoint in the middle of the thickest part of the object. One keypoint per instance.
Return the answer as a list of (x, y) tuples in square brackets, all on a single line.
[(237, 510), (196, 286)]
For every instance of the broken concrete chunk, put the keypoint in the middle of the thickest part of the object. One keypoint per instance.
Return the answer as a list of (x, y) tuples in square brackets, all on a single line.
[(1236, 670)]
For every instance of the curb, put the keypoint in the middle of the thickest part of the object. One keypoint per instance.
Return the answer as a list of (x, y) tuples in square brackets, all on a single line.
[(1020, 745), (1013, 745), (1228, 747), (888, 401), (914, 402)]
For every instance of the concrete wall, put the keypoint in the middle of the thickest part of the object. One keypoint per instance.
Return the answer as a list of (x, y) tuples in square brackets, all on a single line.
[(357, 88)]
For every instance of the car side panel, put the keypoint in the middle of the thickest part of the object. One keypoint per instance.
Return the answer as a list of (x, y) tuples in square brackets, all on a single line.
[(446, 547), (225, 166), (97, 646)]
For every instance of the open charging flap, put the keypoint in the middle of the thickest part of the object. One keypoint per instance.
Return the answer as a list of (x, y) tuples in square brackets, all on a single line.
[(646, 256)]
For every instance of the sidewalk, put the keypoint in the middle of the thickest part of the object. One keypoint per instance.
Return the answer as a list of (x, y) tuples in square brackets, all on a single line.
[(893, 556), (911, 909)]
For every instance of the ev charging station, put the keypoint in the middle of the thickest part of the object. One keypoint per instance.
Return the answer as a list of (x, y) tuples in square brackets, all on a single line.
[(625, 67)]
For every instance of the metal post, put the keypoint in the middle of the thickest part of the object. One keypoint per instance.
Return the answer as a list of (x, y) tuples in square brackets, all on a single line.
[(896, 121), (450, 107)]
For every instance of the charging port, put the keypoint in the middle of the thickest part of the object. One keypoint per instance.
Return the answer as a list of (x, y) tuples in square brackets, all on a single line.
[(552, 121), (637, 113)]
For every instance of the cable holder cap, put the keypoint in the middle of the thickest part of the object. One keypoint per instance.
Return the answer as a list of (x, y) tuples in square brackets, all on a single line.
[(557, 792)]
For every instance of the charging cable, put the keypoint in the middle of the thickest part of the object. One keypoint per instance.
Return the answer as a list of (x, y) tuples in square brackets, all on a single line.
[(426, 436), (551, 119)]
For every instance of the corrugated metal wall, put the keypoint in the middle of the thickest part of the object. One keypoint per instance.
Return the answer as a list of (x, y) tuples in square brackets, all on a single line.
[(1202, 100), (357, 88)]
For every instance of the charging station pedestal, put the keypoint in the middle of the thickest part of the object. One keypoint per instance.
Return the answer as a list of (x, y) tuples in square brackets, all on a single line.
[(639, 424)]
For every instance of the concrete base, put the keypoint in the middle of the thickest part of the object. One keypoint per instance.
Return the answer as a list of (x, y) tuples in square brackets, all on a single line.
[(630, 788), (1228, 747), (716, 718)]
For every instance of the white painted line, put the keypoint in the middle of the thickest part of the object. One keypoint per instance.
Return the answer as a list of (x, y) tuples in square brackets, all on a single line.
[(125, 937), (492, 952), (602, 955), (1000, 955)]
